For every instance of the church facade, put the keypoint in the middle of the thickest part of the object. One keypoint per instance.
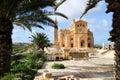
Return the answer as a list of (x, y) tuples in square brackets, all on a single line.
[(77, 36)]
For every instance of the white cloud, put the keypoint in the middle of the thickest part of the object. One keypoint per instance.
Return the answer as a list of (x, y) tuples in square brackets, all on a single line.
[(74, 9), (98, 8), (90, 20), (104, 23), (16, 30)]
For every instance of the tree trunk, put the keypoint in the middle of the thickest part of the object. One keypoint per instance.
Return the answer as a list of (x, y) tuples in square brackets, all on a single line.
[(5, 45), (114, 6)]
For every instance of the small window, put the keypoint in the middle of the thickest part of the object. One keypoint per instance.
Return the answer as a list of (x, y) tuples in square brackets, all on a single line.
[(83, 25)]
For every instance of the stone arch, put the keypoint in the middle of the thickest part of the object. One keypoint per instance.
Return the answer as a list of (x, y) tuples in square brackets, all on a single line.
[(71, 45), (89, 45), (89, 42), (82, 43), (63, 45)]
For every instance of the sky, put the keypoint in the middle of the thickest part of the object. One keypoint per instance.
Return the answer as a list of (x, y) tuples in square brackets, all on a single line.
[(99, 22)]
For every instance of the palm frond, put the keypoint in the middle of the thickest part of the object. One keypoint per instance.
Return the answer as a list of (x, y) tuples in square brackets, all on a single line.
[(35, 5), (59, 3), (22, 23), (37, 25), (91, 4), (29, 13), (57, 13), (40, 38), (35, 19), (8, 8)]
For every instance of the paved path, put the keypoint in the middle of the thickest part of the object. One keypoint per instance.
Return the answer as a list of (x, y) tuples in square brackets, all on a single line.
[(91, 69)]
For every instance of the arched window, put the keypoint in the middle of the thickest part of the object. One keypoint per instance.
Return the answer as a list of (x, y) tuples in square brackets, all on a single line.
[(82, 43), (71, 45), (88, 39), (63, 45), (89, 45), (71, 38)]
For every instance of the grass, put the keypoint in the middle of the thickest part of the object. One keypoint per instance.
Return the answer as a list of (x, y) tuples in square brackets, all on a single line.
[(21, 47), (58, 66), (18, 48), (23, 65)]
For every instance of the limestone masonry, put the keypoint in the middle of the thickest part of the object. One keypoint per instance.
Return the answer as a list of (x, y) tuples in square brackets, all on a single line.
[(77, 36)]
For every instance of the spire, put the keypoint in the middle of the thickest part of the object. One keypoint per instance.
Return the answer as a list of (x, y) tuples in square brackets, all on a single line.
[(73, 20), (56, 23), (56, 32)]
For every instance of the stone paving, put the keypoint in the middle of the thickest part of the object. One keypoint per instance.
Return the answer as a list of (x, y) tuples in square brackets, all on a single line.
[(91, 69)]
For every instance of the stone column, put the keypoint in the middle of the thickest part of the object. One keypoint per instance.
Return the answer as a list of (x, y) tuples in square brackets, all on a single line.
[(67, 41), (86, 40), (75, 40)]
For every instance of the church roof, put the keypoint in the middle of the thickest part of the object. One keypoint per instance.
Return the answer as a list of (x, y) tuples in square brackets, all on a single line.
[(80, 21)]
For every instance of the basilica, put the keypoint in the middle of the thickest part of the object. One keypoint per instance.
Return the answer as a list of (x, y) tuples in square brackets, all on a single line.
[(77, 36)]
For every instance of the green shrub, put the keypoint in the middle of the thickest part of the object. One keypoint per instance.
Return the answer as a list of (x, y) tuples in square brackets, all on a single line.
[(24, 69), (58, 66), (97, 46), (43, 58), (7, 76)]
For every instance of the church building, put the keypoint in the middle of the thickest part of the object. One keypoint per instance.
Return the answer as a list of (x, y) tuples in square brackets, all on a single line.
[(77, 36)]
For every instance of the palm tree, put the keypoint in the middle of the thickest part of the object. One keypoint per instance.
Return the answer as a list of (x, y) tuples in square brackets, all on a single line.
[(40, 40), (113, 6), (24, 13)]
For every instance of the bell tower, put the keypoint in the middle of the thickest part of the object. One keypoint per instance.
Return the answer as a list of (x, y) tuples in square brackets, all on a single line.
[(56, 33)]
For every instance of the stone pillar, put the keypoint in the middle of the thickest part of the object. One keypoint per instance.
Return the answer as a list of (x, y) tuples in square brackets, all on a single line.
[(79, 43), (60, 44), (67, 41), (86, 40), (75, 40), (86, 44)]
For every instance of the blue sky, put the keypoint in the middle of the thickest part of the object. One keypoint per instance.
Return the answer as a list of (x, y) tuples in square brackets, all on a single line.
[(99, 22)]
